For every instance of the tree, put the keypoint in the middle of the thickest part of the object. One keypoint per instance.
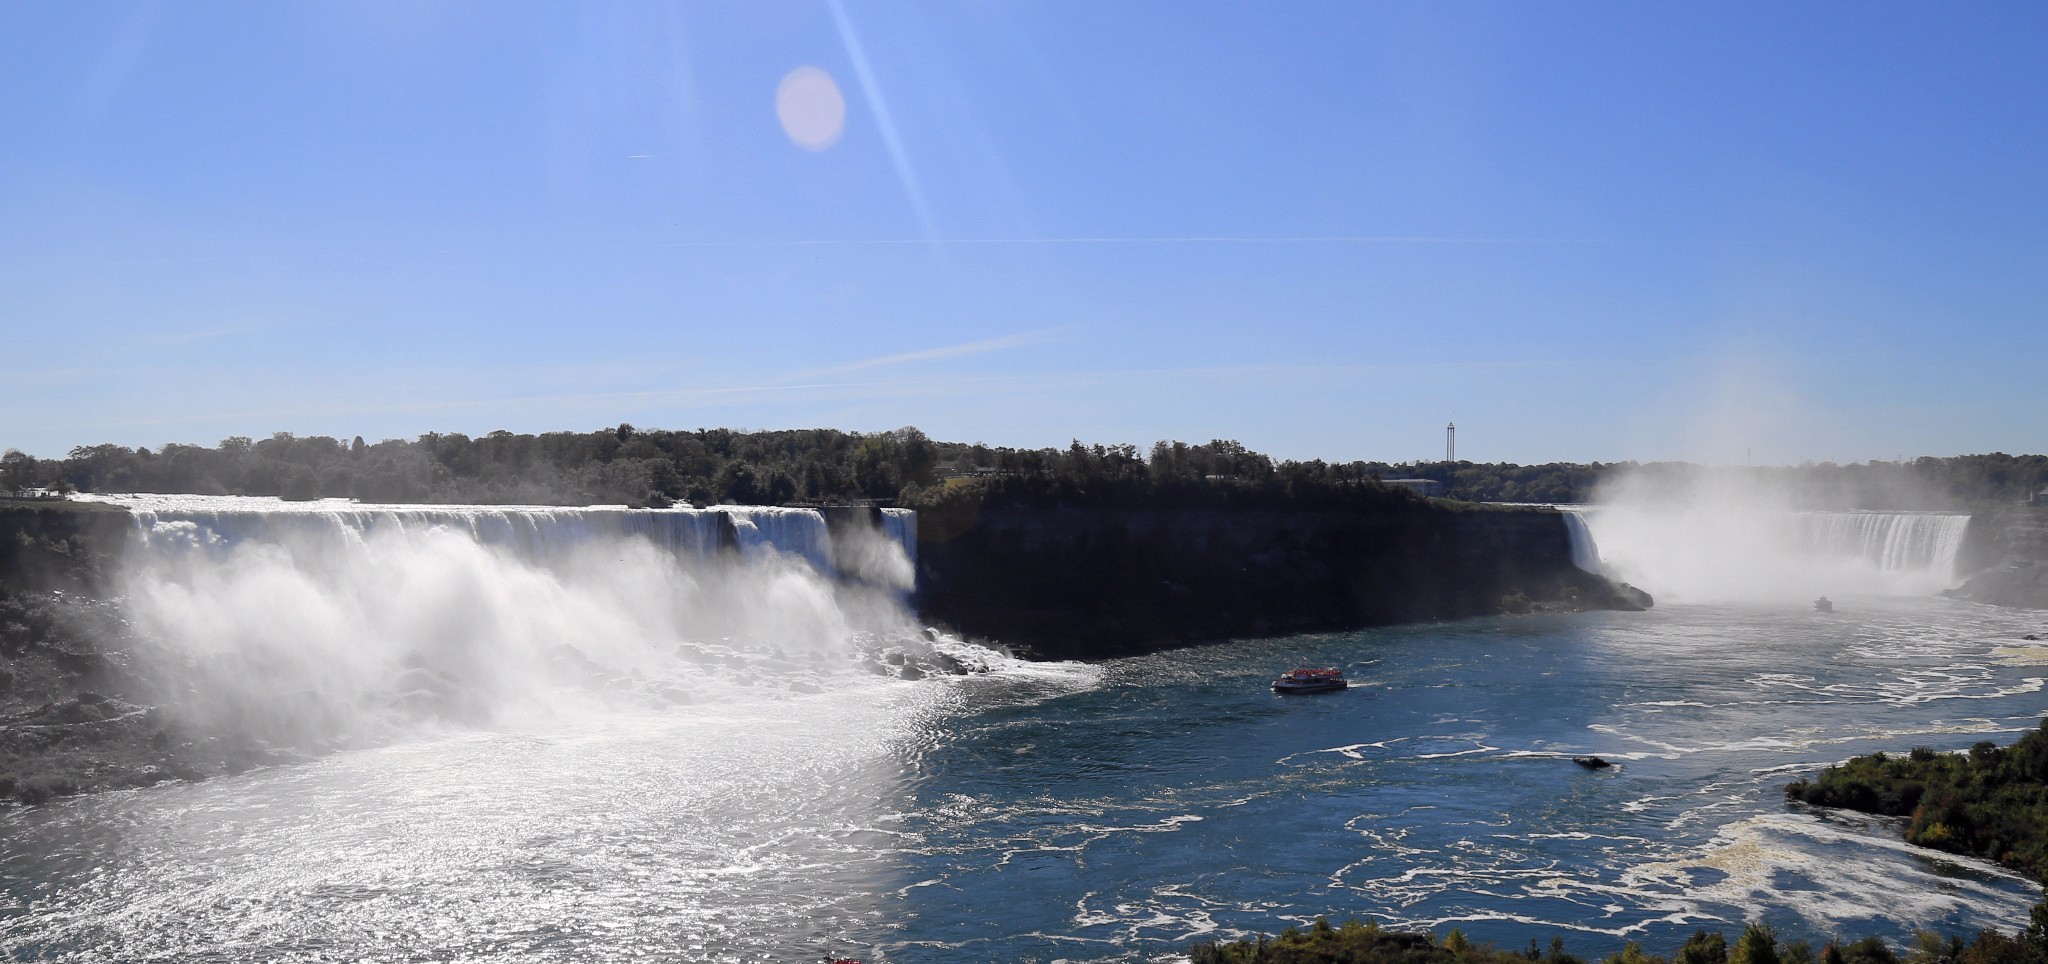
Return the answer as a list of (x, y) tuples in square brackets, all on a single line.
[(1757, 945), (17, 471)]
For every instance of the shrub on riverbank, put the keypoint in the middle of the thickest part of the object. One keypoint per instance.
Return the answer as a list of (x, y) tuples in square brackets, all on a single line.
[(1359, 942), (1991, 802)]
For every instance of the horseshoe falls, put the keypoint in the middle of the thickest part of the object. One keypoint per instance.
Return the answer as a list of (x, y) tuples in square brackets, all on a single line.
[(1723, 552)]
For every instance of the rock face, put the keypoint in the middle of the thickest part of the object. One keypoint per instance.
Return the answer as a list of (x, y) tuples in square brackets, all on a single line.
[(71, 717), (2007, 549), (65, 546), (1092, 583)]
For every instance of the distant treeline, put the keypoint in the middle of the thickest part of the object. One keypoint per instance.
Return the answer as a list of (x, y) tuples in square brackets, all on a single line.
[(649, 467), (629, 465), (1961, 482)]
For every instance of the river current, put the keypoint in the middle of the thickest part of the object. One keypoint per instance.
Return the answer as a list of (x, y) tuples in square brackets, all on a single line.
[(1042, 812)]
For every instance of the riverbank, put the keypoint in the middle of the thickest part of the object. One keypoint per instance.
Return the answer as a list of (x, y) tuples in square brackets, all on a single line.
[(1357, 942), (73, 719), (74, 715), (1991, 802)]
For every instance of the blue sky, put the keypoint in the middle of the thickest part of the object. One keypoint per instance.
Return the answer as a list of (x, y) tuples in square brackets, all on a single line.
[(1583, 231)]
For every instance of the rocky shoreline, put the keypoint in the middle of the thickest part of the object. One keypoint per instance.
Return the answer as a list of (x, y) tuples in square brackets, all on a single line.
[(72, 719), (2006, 550)]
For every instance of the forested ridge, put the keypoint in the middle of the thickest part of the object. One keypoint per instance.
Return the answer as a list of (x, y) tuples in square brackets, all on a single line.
[(658, 467), (629, 465)]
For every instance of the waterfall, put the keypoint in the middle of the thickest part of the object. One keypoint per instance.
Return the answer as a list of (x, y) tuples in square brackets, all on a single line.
[(1893, 541), (900, 526), (1585, 552), (535, 533), (317, 623), (1739, 548)]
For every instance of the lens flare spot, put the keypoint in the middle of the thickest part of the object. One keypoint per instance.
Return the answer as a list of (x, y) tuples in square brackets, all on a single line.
[(812, 110)]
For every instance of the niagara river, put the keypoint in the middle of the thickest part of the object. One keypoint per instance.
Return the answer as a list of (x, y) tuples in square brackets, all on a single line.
[(649, 751)]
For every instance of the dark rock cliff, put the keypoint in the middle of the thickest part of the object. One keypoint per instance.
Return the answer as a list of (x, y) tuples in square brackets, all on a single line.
[(60, 545), (1096, 582), (2006, 552), (73, 717)]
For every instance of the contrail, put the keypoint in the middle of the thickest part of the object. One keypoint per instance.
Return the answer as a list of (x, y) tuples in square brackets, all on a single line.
[(930, 354), (1447, 240), (1190, 239)]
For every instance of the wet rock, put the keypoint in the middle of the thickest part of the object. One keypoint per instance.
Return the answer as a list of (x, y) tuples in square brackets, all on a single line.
[(41, 789)]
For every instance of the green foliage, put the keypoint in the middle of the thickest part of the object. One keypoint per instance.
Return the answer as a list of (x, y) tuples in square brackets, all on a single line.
[(628, 464), (613, 465), (1632, 953), (1357, 943), (648, 467), (1703, 948), (1757, 945), (1870, 950), (1990, 803)]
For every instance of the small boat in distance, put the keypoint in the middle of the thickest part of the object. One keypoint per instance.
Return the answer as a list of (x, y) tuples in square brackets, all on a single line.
[(1310, 679), (1822, 605)]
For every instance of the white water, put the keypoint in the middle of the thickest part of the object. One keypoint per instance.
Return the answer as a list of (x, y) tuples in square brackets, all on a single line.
[(1585, 549), (1719, 551), (619, 748), (323, 623)]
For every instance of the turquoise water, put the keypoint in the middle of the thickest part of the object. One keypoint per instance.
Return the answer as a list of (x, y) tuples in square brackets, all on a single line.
[(1175, 800), (1115, 812)]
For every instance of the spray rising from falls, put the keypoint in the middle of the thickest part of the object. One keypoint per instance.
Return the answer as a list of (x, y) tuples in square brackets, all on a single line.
[(334, 623), (1750, 549)]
